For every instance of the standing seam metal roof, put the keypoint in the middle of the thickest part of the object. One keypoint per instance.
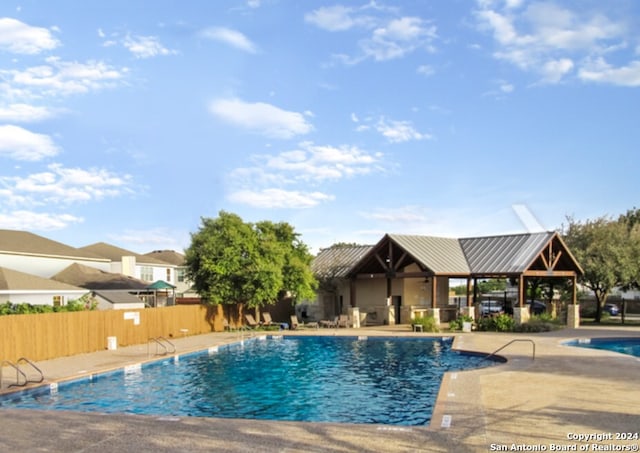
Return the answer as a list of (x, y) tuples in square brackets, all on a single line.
[(440, 255), (511, 254), (491, 255)]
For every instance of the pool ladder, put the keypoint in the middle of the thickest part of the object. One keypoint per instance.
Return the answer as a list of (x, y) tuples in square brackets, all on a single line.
[(533, 357), (21, 373), (163, 346)]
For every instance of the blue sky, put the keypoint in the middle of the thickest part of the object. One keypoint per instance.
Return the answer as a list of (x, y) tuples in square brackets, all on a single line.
[(128, 121)]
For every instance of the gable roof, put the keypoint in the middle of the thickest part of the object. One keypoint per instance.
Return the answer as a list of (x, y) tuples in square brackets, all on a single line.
[(92, 278), (12, 280), (168, 256), (25, 243), (114, 253), (160, 284), (337, 260), (440, 255), (507, 255)]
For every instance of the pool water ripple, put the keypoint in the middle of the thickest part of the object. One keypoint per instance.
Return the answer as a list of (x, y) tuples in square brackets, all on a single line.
[(324, 379)]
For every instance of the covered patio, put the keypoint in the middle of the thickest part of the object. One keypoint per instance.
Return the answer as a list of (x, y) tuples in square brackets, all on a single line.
[(404, 276)]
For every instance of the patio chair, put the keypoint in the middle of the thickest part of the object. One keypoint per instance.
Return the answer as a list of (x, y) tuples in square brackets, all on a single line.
[(267, 319), (251, 321), (295, 324), (329, 323), (345, 321)]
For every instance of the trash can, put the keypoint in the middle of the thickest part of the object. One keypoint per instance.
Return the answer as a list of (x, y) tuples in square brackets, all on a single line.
[(466, 326), (112, 343)]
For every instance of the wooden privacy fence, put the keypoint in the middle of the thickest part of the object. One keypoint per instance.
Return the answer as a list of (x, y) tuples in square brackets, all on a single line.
[(51, 335)]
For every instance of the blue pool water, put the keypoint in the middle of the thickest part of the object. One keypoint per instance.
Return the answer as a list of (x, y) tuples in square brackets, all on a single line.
[(322, 379), (629, 346)]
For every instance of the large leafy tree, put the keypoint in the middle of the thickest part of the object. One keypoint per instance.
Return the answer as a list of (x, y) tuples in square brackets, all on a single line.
[(231, 261), (607, 250)]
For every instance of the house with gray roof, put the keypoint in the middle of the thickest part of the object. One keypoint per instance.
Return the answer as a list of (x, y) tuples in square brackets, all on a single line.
[(407, 275), (19, 287), (27, 252), (182, 283), (142, 267)]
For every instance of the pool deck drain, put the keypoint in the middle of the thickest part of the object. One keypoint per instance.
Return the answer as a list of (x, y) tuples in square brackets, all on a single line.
[(565, 390)]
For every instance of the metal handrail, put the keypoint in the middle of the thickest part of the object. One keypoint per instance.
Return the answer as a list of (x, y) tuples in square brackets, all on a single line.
[(19, 372), (171, 345), (511, 342), (164, 344), (32, 365)]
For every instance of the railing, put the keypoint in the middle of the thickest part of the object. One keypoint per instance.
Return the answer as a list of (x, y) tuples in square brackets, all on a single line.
[(161, 342), (511, 342), (20, 372)]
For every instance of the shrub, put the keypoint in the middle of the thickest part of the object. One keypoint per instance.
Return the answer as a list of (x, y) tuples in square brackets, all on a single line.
[(428, 323), (457, 324), (499, 323)]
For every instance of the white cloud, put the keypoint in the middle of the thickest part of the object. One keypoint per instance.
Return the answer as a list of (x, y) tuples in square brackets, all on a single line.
[(146, 46), (554, 70), (387, 37), (282, 180), (336, 18), (399, 131), (548, 39), (62, 186), (60, 78), (231, 37), (598, 70), (425, 70), (24, 113), (274, 198), (18, 37), (39, 221), (20, 144), (261, 117)]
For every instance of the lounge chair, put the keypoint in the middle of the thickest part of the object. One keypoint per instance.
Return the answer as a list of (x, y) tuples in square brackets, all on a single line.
[(295, 324), (267, 319), (329, 323), (251, 321)]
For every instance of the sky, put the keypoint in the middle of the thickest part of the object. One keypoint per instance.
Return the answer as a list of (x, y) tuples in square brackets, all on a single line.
[(127, 121)]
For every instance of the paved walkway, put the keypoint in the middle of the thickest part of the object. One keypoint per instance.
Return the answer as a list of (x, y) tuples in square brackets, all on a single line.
[(531, 405)]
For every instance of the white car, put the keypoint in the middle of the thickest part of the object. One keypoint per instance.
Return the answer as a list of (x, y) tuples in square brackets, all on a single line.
[(490, 307)]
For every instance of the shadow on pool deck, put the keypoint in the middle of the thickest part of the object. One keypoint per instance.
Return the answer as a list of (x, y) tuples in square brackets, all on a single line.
[(564, 390)]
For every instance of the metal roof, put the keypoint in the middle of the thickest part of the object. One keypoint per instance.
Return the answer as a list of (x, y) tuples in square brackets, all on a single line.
[(509, 254), (440, 255), (337, 260)]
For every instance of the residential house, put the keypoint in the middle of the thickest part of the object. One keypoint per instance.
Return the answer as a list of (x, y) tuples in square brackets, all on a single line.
[(126, 262), (111, 291), (19, 287), (182, 284), (36, 255)]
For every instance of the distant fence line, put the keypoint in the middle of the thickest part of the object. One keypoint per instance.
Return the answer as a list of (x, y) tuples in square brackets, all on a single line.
[(50, 335)]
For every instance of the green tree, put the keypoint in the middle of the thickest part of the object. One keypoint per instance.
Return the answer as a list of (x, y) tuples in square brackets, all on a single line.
[(605, 249), (231, 261)]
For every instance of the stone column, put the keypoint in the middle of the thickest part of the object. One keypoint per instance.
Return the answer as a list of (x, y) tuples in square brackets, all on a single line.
[(354, 312), (469, 311), (521, 315), (573, 316)]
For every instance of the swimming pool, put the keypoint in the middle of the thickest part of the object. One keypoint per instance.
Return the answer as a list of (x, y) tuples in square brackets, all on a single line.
[(630, 346), (324, 379)]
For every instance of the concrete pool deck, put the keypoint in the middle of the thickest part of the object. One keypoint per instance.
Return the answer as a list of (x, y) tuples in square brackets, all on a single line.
[(529, 404)]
